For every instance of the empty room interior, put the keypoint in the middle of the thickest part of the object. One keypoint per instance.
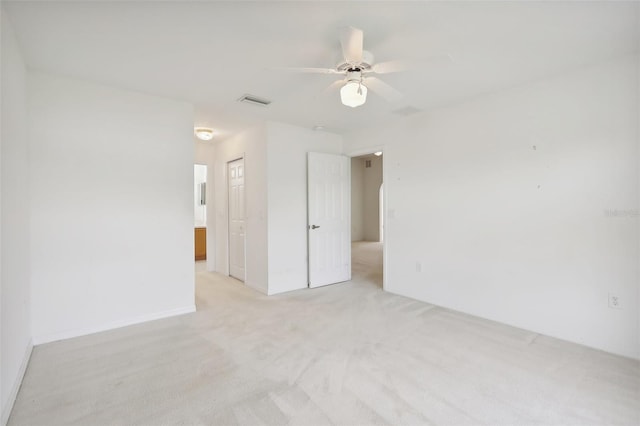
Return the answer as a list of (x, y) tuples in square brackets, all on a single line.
[(313, 213)]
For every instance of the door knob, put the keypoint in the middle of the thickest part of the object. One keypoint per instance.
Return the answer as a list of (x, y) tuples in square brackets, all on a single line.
[(315, 226)]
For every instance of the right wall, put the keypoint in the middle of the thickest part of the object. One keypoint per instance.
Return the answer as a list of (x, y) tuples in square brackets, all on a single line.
[(522, 206)]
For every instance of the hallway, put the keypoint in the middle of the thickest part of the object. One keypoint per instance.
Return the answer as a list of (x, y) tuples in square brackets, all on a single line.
[(366, 262)]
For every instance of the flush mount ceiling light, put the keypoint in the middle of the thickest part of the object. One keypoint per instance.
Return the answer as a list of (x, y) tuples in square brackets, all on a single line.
[(353, 93), (203, 133), (377, 154)]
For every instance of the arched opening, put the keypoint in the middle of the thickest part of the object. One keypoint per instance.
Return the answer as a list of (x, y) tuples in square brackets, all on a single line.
[(367, 218)]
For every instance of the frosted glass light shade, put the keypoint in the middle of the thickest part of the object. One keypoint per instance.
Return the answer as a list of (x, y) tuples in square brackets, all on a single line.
[(203, 133), (353, 94)]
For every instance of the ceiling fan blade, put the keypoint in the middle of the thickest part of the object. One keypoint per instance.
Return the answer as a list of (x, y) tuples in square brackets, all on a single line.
[(383, 89), (309, 70), (398, 66), (443, 58), (351, 40), (333, 86), (389, 67)]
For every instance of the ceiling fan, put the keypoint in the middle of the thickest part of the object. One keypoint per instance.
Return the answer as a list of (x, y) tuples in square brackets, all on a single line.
[(358, 68)]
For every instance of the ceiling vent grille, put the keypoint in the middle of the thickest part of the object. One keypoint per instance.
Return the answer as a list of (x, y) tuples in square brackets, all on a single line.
[(254, 100)]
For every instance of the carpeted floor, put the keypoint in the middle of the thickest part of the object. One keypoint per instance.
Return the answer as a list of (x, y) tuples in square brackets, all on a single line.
[(345, 354)]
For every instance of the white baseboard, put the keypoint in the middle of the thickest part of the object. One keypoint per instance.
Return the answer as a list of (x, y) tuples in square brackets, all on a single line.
[(258, 289), (54, 337), (6, 410)]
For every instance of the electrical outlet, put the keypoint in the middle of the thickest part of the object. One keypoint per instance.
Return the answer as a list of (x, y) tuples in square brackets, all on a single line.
[(614, 301)]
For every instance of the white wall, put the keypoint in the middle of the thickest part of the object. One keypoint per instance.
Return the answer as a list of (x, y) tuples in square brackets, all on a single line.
[(287, 187), (203, 152), (252, 146), (637, 155), (518, 235), (15, 328), (112, 209), (372, 179), (357, 199), (275, 157)]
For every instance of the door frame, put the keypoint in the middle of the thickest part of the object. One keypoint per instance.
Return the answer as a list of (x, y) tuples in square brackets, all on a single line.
[(228, 237), (366, 151), (206, 215)]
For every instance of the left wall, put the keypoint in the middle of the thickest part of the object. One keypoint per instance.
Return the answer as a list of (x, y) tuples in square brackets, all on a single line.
[(111, 207), (96, 210), (14, 230)]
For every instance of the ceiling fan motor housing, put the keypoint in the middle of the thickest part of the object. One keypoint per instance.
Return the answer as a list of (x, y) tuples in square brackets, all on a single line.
[(354, 75), (363, 66)]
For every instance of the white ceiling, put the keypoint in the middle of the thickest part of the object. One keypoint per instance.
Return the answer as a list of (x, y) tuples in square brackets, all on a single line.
[(211, 53)]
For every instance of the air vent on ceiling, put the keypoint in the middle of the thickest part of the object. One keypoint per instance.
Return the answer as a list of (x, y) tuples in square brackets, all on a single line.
[(406, 111), (254, 100)]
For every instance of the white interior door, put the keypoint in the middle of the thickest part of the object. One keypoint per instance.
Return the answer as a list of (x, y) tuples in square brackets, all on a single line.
[(235, 174), (329, 215)]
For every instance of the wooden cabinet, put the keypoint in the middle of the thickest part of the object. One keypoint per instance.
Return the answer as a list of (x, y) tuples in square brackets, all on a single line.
[(201, 243)]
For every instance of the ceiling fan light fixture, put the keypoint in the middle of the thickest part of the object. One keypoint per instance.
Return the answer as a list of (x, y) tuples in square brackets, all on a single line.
[(204, 133), (353, 94)]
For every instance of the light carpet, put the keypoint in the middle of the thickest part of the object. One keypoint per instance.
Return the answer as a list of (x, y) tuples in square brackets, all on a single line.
[(346, 354)]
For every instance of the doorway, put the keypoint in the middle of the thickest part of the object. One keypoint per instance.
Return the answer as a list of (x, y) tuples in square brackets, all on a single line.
[(200, 211), (236, 217), (367, 216)]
